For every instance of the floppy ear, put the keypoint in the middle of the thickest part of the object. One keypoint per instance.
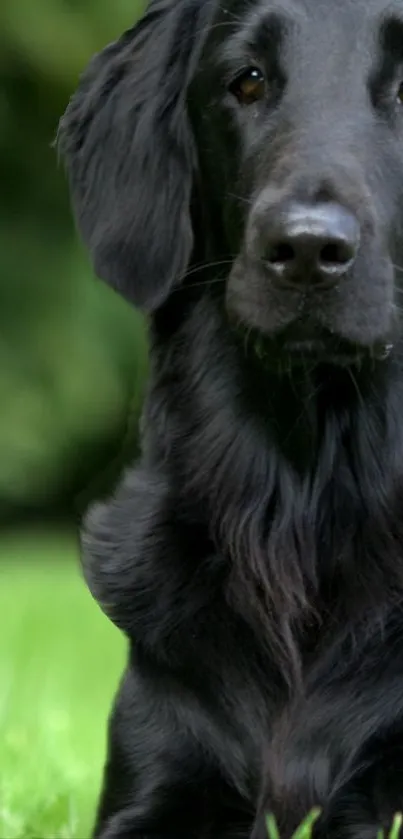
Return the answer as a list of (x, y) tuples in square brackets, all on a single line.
[(130, 154)]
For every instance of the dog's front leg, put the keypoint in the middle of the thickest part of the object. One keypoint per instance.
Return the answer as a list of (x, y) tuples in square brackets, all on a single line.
[(168, 773)]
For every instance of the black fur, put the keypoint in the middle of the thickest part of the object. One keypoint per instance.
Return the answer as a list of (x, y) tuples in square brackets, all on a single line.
[(254, 557)]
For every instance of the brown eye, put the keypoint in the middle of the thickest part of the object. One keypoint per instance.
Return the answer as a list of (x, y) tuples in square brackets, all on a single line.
[(249, 87), (399, 95)]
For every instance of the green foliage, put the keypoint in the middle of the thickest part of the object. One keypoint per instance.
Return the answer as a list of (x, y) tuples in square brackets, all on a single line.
[(72, 355)]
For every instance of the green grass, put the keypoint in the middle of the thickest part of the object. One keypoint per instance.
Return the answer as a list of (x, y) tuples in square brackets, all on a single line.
[(60, 661), (304, 831)]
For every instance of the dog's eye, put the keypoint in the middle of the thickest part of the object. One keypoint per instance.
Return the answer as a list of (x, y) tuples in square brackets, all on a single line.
[(249, 86), (399, 95)]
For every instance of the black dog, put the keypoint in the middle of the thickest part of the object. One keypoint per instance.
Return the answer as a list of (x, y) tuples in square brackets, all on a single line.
[(237, 172)]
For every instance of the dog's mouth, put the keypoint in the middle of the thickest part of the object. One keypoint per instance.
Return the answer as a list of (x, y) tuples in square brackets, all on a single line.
[(300, 345)]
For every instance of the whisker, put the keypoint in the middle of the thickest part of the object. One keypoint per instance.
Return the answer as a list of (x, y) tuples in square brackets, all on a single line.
[(241, 198), (222, 24), (204, 266), (356, 386), (247, 337), (208, 282), (232, 15), (306, 403)]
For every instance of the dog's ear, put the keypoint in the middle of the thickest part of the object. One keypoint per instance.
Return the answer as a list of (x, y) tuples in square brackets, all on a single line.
[(130, 155)]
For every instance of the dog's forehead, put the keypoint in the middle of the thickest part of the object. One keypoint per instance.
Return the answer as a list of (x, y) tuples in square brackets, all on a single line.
[(355, 13)]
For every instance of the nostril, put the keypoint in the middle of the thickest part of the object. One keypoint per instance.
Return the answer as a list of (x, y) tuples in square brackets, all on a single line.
[(335, 254), (281, 254)]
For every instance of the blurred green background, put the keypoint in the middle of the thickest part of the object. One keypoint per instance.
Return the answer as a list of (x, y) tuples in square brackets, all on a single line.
[(72, 370)]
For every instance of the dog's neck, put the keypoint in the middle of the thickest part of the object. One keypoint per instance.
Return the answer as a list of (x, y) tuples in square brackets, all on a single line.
[(294, 476)]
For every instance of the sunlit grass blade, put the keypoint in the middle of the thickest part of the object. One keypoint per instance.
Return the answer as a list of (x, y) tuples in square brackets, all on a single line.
[(272, 829), (396, 827), (304, 831)]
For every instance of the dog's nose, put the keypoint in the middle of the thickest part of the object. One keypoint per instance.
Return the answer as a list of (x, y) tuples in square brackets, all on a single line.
[(312, 245)]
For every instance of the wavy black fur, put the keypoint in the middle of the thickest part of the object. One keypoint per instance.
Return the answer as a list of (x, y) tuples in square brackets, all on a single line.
[(254, 557)]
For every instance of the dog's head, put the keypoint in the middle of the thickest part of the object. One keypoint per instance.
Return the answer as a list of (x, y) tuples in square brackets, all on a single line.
[(280, 123)]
